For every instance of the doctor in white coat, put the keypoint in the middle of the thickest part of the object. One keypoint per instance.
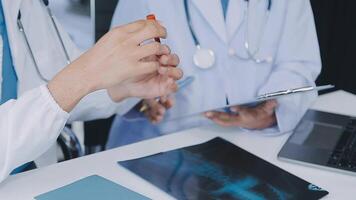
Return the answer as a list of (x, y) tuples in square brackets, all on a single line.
[(49, 56), (259, 46), (117, 67)]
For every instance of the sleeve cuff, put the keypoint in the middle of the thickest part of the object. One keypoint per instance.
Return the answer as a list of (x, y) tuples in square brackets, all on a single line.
[(292, 109), (52, 102), (289, 112)]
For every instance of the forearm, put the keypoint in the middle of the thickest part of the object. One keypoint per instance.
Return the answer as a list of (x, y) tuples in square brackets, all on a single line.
[(70, 86), (74, 91)]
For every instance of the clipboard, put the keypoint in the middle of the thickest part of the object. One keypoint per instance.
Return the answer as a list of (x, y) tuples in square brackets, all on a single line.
[(275, 95)]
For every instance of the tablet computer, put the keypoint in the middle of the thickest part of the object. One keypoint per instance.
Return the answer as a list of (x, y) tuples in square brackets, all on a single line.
[(220, 170)]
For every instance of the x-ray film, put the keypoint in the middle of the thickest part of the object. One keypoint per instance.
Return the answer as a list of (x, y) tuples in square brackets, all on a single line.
[(220, 170)]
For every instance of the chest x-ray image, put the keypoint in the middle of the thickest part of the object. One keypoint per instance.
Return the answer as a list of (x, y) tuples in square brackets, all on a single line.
[(220, 170)]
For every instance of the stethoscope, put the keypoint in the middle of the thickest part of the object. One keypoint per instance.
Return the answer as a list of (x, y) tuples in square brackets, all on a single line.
[(22, 30), (204, 58)]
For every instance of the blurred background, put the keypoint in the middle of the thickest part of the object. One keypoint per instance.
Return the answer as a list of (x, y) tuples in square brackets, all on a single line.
[(87, 20), (75, 16)]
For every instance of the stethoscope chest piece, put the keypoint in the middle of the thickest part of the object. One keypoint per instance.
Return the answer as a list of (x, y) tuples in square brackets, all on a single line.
[(204, 58)]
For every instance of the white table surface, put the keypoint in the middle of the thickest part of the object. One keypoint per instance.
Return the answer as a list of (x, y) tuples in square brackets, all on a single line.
[(28, 185)]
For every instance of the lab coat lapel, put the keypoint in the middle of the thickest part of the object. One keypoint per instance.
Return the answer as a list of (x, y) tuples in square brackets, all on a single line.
[(11, 10), (235, 16), (257, 16), (212, 11)]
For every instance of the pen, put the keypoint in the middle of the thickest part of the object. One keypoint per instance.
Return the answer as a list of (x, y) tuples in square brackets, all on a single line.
[(293, 91)]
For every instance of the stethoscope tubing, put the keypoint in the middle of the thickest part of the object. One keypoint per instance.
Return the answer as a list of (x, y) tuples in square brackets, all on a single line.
[(61, 41), (22, 30)]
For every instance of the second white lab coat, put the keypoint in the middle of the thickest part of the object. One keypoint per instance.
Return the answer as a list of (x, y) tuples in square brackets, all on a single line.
[(289, 38), (49, 56), (30, 125)]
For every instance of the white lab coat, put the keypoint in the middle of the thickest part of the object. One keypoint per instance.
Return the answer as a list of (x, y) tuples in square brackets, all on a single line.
[(30, 125), (289, 39)]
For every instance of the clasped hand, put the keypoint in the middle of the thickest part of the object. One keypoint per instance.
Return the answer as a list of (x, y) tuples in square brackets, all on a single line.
[(120, 63)]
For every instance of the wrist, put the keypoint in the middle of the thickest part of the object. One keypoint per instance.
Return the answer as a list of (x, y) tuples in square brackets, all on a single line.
[(118, 93), (69, 87)]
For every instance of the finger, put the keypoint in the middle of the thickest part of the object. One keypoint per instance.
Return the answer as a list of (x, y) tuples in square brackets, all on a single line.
[(150, 30), (221, 119), (223, 123), (236, 109), (149, 58), (245, 110), (171, 72), (221, 116), (157, 113), (225, 116), (169, 103), (158, 110), (269, 106), (147, 51), (154, 105), (146, 68), (165, 50), (171, 60), (157, 119), (163, 100), (168, 87), (151, 102), (153, 120), (153, 109)]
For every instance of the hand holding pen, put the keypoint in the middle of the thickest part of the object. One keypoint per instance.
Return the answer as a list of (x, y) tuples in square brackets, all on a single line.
[(157, 84), (163, 100), (155, 109)]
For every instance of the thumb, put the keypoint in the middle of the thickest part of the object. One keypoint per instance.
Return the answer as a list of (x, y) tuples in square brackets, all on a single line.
[(270, 106), (169, 103), (236, 109)]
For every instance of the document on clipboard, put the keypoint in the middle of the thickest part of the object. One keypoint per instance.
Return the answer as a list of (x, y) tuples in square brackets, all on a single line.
[(275, 95)]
